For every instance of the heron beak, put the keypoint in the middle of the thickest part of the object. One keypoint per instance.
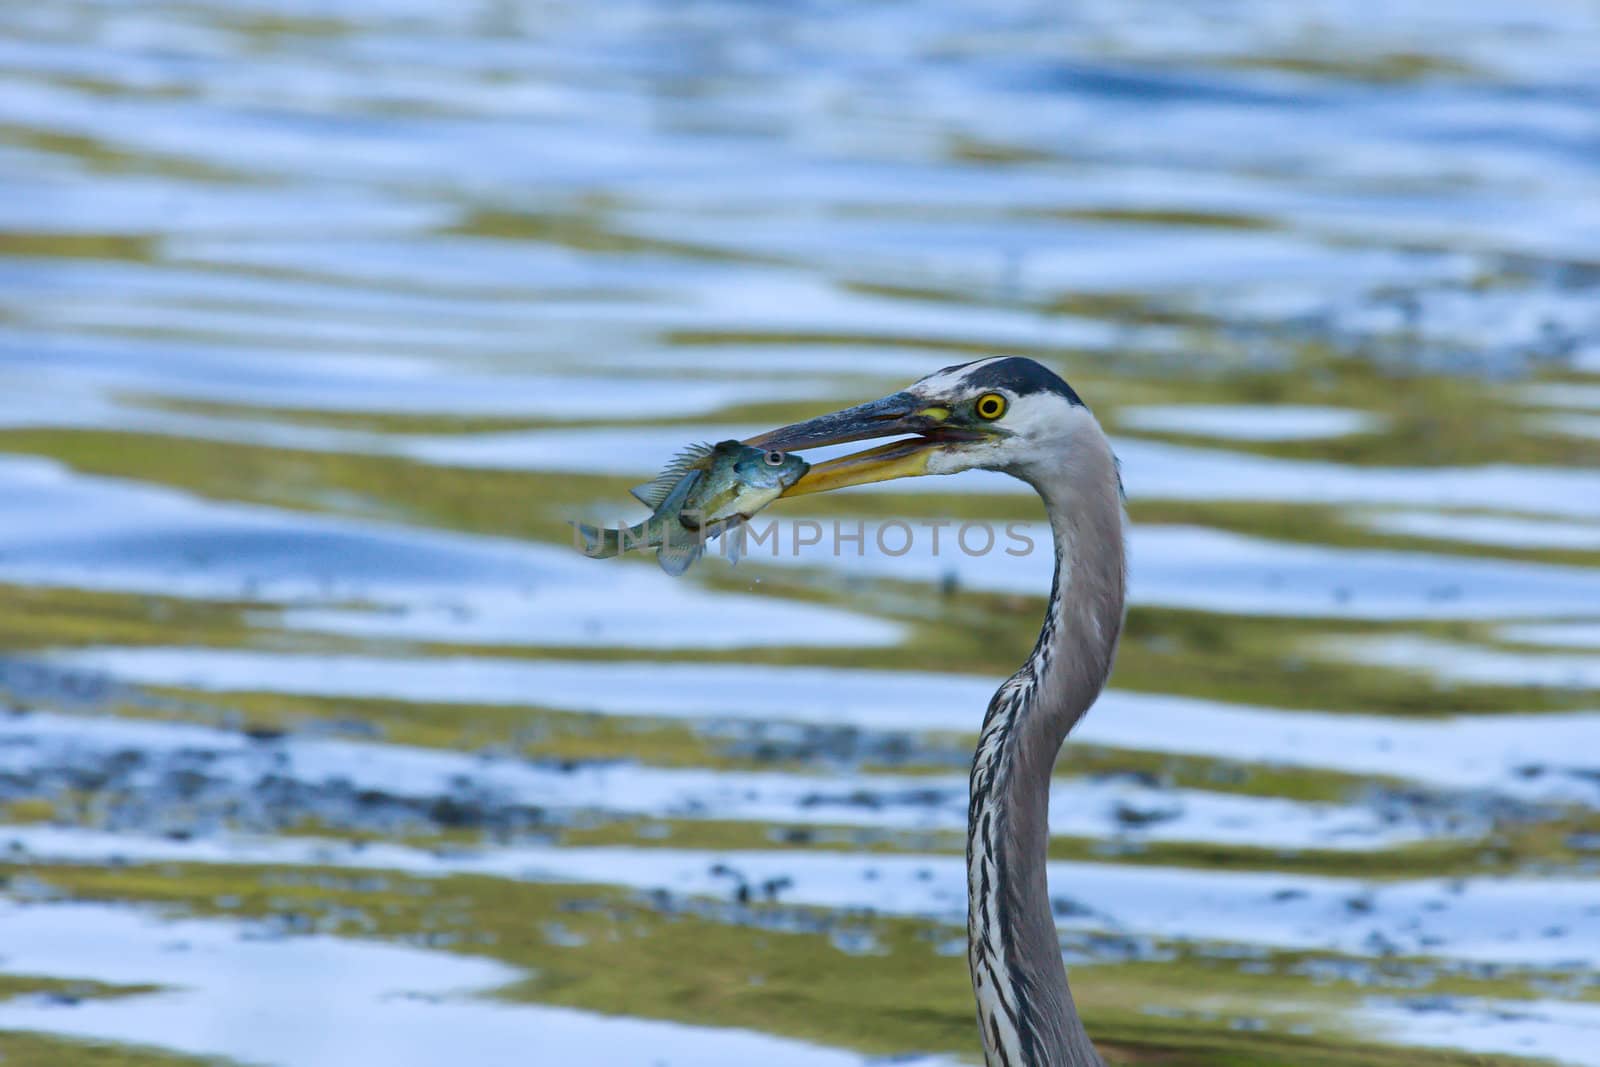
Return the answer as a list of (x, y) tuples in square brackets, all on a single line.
[(892, 416)]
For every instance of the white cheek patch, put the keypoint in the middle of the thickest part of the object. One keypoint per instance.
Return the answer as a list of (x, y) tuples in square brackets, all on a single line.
[(1034, 416)]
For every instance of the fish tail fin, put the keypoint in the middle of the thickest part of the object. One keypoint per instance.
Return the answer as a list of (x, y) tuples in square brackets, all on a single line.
[(594, 542)]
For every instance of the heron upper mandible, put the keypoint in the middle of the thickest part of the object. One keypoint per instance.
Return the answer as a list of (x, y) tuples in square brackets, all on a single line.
[(1014, 415)]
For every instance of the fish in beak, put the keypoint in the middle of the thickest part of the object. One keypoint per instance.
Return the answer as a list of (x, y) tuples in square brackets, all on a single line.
[(928, 425)]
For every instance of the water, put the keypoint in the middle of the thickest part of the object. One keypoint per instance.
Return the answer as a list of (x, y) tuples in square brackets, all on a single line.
[(318, 322), (249, 993)]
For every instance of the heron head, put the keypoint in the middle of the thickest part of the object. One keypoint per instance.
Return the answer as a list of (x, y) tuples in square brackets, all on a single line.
[(1006, 413)]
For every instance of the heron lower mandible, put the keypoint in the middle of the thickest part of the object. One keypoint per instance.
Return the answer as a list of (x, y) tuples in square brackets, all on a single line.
[(1014, 415)]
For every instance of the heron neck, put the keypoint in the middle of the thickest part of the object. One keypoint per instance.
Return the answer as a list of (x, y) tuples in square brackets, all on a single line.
[(1078, 642), (1026, 1009)]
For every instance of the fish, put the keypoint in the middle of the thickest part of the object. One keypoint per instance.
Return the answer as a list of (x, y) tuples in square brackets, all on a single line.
[(706, 491)]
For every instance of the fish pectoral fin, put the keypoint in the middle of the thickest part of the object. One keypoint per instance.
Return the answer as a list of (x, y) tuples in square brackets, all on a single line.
[(733, 541), (731, 532), (676, 558), (678, 548)]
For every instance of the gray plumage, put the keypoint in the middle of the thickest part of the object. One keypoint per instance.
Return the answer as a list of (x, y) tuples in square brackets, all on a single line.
[(1017, 416), (1025, 1007)]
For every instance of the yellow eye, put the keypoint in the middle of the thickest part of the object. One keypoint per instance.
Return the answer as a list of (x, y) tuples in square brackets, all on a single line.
[(990, 406)]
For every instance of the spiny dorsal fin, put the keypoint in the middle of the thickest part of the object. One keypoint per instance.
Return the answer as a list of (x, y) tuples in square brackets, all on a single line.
[(652, 493)]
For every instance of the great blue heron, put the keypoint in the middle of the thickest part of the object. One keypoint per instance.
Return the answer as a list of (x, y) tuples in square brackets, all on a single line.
[(1014, 415)]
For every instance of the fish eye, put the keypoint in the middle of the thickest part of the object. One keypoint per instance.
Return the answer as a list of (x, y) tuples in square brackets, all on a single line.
[(775, 459), (990, 406)]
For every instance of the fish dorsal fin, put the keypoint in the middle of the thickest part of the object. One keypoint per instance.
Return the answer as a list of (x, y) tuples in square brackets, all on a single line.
[(652, 493)]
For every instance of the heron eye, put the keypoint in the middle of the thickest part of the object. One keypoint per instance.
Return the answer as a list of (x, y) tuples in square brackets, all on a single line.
[(990, 406), (775, 459)]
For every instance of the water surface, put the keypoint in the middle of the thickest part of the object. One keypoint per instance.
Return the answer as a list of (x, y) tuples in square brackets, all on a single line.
[(318, 323)]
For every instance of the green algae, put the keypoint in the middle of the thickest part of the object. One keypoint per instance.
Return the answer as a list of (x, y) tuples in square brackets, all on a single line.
[(17, 985), (911, 995), (1424, 420), (1253, 660), (41, 617), (1262, 661), (133, 248), (20, 1049), (1182, 771), (26, 811), (1507, 844), (380, 487), (389, 487), (534, 732), (1418, 440), (1508, 847), (1381, 68), (1511, 851), (1339, 527), (820, 989), (1164, 218), (585, 232), (777, 969), (1241, 659), (99, 156), (382, 422), (24, 1049)]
